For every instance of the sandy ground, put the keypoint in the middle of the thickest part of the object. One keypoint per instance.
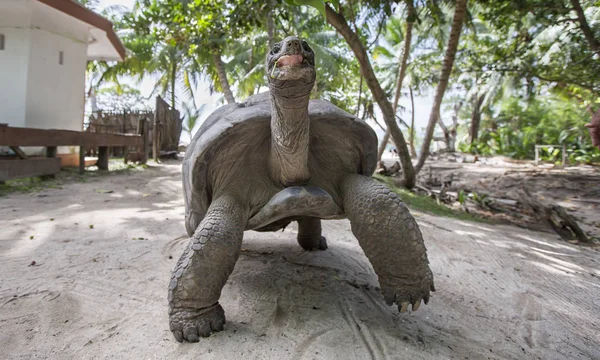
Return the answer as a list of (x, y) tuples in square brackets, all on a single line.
[(100, 293)]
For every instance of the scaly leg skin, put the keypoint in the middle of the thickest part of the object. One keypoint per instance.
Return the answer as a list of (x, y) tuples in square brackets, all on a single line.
[(202, 271), (391, 240), (309, 234)]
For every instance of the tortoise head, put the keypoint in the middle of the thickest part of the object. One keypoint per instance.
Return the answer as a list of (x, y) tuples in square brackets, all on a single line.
[(291, 67)]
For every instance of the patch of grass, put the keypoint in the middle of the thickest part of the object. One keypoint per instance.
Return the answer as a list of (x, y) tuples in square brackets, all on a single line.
[(426, 204), (116, 166), (26, 185)]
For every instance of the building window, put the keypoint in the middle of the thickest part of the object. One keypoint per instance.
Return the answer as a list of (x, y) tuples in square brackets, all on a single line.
[(1, 41), (61, 57)]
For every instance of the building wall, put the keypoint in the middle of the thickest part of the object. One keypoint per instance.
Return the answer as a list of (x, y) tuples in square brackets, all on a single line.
[(55, 92), (15, 17)]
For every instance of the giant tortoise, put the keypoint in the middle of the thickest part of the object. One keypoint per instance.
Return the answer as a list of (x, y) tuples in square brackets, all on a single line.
[(280, 157)]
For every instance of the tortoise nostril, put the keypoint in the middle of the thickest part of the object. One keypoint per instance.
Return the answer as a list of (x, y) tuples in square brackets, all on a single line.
[(293, 44)]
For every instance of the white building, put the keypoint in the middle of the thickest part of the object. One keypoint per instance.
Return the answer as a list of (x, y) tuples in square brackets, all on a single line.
[(44, 49)]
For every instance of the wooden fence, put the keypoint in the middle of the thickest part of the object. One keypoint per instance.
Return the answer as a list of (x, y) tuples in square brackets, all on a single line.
[(165, 120)]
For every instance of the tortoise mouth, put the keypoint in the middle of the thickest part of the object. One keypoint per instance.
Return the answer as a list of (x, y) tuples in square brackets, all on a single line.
[(289, 60), (292, 68)]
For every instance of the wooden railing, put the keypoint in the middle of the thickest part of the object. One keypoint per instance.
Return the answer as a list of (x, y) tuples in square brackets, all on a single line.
[(16, 137)]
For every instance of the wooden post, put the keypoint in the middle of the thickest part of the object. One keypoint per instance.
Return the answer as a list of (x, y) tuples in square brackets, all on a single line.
[(50, 153), (564, 155), (81, 160), (144, 125), (102, 158), (125, 148), (155, 145)]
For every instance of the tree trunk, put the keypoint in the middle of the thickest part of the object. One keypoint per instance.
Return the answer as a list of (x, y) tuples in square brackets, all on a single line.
[(359, 96), (383, 145), (476, 117), (454, 129), (173, 80), (405, 52), (585, 28), (410, 18), (457, 22), (341, 25), (446, 137), (223, 77), (270, 26), (413, 152)]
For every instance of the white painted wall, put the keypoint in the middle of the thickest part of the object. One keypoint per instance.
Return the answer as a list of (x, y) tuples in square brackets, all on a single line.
[(14, 61), (55, 92), (35, 90), (15, 17)]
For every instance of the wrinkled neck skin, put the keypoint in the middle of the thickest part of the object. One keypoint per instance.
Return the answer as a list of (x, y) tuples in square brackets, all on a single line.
[(289, 138)]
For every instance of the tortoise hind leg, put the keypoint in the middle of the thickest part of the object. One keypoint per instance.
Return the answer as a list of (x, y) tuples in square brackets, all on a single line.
[(203, 269), (309, 234)]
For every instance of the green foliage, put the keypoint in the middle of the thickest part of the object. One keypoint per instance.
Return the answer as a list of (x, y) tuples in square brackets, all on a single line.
[(317, 4), (528, 61), (519, 126), (461, 197), (191, 116), (119, 97)]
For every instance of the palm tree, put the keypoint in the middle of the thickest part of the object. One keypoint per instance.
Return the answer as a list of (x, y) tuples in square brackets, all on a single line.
[(339, 22), (402, 65), (457, 23), (191, 116)]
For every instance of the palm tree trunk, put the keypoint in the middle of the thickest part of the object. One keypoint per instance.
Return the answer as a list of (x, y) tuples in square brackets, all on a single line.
[(410, 18), (338, 21), (476, 117), (411, 140), (585, 28), (173, 80), (359, 96), (223, 77), (270, 26), (383, 145), (446, 132), (459, 15)]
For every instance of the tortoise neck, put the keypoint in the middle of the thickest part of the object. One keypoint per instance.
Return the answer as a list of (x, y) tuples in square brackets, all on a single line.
[(289, 140)]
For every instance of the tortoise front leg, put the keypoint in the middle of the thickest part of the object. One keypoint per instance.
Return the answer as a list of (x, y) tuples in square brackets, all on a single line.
[(391, 240), (309, 234), (203, 269)]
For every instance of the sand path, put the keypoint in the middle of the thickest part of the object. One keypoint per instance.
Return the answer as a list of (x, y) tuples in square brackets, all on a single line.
[(100, 293)]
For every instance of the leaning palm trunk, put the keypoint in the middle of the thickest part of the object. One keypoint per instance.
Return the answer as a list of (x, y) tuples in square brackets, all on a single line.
[(173, 81), (402, 72), (585, 27), (339, 22), (457, 22), (220, 67), (270, 25), (476, 117), (411, 140)]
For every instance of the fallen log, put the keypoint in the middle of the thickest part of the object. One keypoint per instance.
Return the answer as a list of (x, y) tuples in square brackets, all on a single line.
[(385, 171), (557, 217)]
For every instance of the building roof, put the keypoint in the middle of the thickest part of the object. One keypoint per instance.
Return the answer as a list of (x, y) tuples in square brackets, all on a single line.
[(104, 40)]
